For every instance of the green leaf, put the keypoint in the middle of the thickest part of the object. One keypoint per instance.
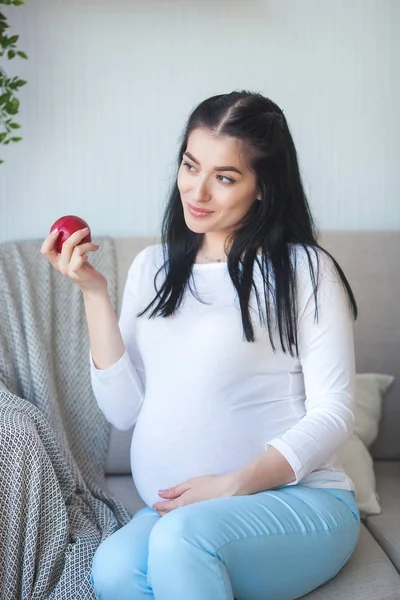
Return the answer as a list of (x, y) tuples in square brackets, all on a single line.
[(4, 98), (18, 2), (15, 126), (3, 136), (22, 54), (16, 139), (14, 85), (10, 54), (2, 17), (12, 106), (1, 162), (6, 142), (13, 39)]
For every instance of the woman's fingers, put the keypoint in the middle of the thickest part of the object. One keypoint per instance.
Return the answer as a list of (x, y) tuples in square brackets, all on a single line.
[(47, 248), (72, 262), (69, 246), (86, 247), (79, 257)]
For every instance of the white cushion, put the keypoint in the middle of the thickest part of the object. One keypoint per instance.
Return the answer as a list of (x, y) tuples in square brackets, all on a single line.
[(358, 465), (354, 455), (370, 389)]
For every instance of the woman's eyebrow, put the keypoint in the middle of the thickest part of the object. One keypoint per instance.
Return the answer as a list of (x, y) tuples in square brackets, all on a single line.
[(215, 168)]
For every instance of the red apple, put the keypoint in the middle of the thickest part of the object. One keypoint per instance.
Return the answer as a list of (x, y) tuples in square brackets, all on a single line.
[(67, 226)]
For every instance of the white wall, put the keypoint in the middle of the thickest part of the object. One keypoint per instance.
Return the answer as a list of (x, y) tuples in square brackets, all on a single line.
[(112, 83)]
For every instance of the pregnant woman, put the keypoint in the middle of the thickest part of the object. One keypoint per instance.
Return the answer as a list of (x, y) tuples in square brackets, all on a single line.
[(234, 359)]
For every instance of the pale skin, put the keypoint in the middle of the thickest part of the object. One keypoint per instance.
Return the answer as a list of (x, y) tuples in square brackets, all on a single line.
[(229, 194)]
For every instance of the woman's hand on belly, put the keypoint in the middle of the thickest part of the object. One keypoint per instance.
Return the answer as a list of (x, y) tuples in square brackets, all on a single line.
[(194, 490)]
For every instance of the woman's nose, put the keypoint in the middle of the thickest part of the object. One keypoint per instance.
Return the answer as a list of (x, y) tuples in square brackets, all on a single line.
[(201, 191)]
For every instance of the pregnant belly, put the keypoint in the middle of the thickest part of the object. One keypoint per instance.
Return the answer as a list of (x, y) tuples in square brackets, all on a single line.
[(167, 450)]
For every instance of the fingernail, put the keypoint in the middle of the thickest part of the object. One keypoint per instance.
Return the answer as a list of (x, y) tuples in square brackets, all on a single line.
[(54, 231), (162, 491), (85, 229)]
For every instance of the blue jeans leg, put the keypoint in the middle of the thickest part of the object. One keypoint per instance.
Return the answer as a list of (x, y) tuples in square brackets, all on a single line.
[(119, 570), (275, 545)]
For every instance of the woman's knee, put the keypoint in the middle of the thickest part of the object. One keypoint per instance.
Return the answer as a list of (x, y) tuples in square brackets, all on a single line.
[(114, 569), (178, 531)]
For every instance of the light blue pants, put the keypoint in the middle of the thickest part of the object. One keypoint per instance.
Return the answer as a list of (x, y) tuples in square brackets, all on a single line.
[(274, 545)]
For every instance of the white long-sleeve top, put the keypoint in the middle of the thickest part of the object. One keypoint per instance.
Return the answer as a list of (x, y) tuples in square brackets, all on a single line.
[(204, 401)]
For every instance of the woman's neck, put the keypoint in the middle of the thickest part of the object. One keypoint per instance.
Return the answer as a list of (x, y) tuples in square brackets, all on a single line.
[(213, 249)]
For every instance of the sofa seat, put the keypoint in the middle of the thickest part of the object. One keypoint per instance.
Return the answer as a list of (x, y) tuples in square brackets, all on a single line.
[(368, 575), (386, 527)]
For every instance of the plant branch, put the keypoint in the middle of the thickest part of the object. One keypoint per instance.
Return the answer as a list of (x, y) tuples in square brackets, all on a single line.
[(9, 86)]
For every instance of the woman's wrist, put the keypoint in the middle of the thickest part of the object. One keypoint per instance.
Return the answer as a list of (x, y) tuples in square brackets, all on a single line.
[(269, 470), (100, 293), (235, 483)]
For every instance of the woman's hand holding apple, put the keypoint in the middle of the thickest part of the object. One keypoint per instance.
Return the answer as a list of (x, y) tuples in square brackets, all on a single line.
[(72, 262)]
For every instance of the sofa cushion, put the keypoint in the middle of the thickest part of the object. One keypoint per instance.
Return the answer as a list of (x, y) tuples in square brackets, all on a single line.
[(359, 466), (370, 260), (118, 458), (354, 455), (124, 490), (368, 575), (386, 527)]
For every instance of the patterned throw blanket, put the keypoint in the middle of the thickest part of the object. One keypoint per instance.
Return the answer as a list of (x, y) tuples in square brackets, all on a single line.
[(54, 510)]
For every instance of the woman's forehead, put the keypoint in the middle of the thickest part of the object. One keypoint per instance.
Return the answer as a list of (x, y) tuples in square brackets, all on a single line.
[(208, 149)]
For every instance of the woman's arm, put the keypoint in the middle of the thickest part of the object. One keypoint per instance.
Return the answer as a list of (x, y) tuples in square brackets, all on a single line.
[(106, 344), (268, 471), (116, 366), (326, 353)]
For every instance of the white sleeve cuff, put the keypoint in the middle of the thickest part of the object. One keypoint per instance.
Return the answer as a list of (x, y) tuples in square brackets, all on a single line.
[(290, 456), (121, 365)]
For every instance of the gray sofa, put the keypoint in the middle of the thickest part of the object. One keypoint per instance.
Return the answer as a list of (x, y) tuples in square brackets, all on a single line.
[(370, 260)]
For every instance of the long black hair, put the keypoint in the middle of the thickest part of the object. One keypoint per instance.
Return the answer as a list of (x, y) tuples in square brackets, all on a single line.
[(280, 219)]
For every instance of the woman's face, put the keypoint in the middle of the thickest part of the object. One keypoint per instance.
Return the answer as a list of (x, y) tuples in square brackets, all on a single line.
[(213, 176)]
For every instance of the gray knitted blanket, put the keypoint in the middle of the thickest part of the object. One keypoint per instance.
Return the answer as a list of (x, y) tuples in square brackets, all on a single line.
[(54, 511)]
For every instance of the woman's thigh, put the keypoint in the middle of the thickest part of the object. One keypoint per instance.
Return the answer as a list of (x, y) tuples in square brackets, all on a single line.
[(278, 544)]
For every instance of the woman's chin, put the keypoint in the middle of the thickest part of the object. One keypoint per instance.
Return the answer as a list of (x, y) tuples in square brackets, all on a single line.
[(196, 227)]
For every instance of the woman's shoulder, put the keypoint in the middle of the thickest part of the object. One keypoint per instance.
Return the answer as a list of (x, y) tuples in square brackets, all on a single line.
[(149, 256), (144, 267), (314, 271), (305, 255)]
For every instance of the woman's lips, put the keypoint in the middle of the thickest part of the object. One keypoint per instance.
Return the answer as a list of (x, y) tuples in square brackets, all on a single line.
[(199, 213)]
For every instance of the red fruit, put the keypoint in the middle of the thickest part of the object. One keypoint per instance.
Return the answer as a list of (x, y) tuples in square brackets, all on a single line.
[(67, 226)]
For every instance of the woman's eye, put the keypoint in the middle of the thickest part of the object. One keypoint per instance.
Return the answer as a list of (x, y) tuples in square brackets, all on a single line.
[(229, 180)]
